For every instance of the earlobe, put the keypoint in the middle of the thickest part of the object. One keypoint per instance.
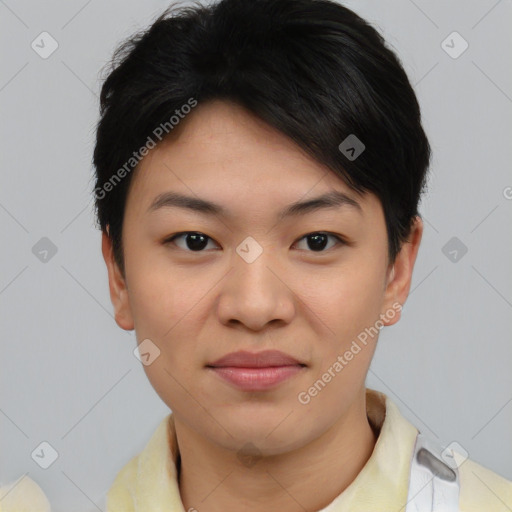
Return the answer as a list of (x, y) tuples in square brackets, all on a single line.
[(400, 276), (117, 286)]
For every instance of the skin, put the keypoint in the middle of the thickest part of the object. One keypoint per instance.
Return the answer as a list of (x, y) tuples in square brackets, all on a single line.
[(199, 306)]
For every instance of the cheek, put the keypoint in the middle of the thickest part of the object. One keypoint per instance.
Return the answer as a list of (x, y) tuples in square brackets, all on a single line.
[(350, 302), (350, 307), (168, 309), (158, 297), (162, 313)]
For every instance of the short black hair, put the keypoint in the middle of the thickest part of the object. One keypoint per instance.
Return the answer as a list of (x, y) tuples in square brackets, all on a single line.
[(312, 69)]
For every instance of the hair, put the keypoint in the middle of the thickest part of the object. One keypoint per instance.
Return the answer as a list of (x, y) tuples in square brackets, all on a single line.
[(312, 69)]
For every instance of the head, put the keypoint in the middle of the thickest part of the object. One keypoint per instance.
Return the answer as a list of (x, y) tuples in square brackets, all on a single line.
[(250, 108)]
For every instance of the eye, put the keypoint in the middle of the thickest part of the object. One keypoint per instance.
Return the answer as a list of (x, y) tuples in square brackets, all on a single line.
[(193, 241), (317, 241)]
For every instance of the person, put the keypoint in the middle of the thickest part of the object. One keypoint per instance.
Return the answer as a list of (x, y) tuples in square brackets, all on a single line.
[(258, 170)]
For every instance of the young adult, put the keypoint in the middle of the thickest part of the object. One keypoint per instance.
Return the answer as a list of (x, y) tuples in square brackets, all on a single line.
[(259, 165)]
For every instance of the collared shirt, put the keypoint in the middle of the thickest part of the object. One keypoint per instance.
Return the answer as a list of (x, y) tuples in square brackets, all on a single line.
[(149, 481)]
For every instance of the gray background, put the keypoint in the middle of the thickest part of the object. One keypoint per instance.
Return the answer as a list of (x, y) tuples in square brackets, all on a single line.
[(68, 374)]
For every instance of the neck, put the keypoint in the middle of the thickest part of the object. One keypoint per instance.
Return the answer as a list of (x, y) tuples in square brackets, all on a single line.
[(213, 479)]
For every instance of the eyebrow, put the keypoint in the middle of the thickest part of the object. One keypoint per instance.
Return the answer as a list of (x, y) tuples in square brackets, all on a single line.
[(332, 199)]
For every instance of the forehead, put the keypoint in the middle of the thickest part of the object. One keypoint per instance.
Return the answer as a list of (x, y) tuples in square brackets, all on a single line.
[(220, 134), (223, 153)]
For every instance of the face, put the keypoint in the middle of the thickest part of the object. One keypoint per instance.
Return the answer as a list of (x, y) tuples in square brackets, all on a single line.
[(253, 276)]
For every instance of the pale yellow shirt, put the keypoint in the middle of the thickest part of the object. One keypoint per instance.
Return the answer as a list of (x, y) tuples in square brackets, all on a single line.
[(148, 482)]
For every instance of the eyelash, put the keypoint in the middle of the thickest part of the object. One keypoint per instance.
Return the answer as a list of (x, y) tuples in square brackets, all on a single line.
[(340, 240)]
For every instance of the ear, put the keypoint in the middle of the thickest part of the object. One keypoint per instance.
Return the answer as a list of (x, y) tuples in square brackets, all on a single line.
[(117, 286), (399, 275)]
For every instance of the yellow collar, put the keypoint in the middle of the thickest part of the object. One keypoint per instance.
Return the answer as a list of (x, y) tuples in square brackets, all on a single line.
[(150, 480)]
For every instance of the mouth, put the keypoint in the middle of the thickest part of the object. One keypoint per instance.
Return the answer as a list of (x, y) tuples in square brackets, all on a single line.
[(256, 371)]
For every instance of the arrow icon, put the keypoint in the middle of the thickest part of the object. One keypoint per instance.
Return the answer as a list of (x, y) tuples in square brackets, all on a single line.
[(451, 45), (44, 250), (42, 45), (351, 147), (454, 249), (146, 352)]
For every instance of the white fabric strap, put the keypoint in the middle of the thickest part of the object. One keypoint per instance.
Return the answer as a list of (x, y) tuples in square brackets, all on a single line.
[(434, 484)]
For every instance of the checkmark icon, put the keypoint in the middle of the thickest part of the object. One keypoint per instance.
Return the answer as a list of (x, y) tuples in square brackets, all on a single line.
[(249, 249), (44, 45), (44, 455), (454, 45)]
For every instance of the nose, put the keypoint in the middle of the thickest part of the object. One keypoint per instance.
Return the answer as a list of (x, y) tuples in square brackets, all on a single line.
[(255, 293)]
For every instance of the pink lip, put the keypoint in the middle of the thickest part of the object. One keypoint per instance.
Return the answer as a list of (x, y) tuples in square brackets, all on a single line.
[(256, 371), (262, 359), (256, 379)]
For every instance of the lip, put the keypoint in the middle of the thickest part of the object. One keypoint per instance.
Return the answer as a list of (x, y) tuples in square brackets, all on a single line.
[(264, 359), (256, 371)]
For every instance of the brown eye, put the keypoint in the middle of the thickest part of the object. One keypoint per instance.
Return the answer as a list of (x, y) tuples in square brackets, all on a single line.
[(192, 241), (317, 242)]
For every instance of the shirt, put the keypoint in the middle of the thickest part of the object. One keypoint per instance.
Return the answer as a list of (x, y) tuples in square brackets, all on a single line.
[(23, 495), (149, 481)]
